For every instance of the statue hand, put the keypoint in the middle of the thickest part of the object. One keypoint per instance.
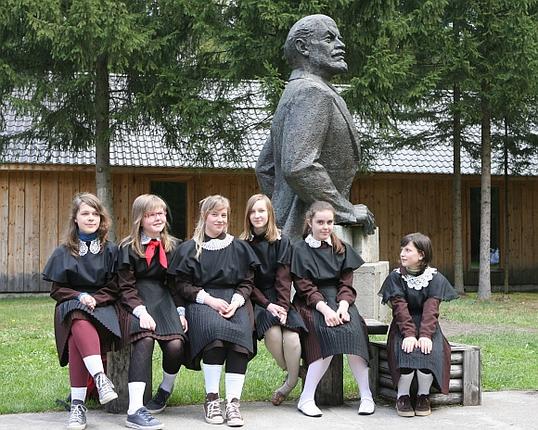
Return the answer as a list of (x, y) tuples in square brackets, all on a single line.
[(365, 218)]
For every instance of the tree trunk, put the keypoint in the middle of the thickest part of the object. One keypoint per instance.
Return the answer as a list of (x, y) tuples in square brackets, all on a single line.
[(118, 361), (484, 277), (103, 177), (506, 214), (457, 234)]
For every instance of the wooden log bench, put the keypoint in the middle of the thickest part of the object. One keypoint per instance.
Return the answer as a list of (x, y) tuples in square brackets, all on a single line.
[(464, 387), (330, 391)]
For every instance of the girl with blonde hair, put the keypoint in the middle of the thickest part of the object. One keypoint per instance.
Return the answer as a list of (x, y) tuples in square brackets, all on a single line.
[(143, 262), (276, 320), (86, 322), (322, 269), (214, 273)]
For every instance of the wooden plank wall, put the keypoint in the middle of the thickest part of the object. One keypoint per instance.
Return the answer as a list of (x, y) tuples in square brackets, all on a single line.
[(35, 208)]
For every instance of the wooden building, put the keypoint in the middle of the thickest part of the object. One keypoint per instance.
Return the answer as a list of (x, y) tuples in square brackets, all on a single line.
[(35, 200)]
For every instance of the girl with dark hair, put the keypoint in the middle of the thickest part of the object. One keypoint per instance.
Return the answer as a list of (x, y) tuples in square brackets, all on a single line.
[(322, 269), (214, 273), (86, 320), (276, 321), (142, 279), (415, 343)]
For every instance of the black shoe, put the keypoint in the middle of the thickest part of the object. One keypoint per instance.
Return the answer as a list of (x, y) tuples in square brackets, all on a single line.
[(157, 404), (142, 419), (404, 407), (423, 408)]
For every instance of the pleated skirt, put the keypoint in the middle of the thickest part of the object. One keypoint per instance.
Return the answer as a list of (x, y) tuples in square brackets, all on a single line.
[(206, 325), (323, 341)]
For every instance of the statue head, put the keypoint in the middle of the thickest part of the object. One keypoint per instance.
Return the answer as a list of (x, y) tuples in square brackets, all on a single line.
[(314, 44)]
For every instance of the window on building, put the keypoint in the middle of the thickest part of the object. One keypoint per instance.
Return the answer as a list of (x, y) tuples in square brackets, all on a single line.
[(175, 195), (495, 253)]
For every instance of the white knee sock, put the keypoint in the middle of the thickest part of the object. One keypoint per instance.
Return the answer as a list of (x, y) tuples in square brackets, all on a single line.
[(234, 385), (168, 381), (78, 393), (315, 372), (359, 368), (136, 396), (94, 364), (212, 377), (404, 384), (424, 382)]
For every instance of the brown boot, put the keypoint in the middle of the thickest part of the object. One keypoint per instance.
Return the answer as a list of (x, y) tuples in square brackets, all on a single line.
[(403, 406), (423, 408)]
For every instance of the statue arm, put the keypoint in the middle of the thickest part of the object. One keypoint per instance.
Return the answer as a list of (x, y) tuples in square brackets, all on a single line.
[(265, 168), (305, 132)]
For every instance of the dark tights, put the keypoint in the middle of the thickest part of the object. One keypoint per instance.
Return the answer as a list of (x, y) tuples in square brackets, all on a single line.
[(142, 352), (236, 362), (407, 371)]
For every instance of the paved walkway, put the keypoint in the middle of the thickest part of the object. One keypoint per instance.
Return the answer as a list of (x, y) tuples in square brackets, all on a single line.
[(514, 410)]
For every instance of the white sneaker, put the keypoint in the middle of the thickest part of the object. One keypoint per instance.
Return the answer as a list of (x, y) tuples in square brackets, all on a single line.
[(309, 408), (367, 407)]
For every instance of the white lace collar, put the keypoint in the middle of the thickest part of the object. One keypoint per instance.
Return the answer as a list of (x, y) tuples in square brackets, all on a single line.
[(145, 239), (314, 243), (95, 247), (216, 244), (421, 281)]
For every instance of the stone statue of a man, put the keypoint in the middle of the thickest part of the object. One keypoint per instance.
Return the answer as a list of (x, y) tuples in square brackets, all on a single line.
[(313, 150)]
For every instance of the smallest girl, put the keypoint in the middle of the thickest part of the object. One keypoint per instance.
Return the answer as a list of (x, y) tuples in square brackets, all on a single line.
[(415, 343), (86, 322), (276, 321)]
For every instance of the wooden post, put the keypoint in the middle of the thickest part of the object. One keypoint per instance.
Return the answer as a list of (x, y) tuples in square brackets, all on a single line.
[(118, 371), (330, 390), (472, 393)]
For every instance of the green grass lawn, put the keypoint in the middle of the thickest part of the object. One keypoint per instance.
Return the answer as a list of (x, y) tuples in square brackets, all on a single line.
[(506, 329)]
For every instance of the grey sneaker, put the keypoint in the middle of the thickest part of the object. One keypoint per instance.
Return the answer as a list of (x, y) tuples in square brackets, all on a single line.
[(142, 419), (212, 411), (105, 388), (233, 415), (158, 402), (77, 417)]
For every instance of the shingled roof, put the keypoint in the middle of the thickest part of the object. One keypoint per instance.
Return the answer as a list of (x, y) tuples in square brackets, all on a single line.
[(147, 149)]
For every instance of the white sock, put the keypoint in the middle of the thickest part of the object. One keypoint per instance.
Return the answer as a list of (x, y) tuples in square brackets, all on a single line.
[(315, 372), (94, 364), (359, 368), (234, 385), (404, 384), (424, 382), (212, 377), (168, 381), (136, 396), (78, 393)]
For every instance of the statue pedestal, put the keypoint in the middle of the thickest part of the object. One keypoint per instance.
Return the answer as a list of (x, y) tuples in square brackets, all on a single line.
[(368, 278)]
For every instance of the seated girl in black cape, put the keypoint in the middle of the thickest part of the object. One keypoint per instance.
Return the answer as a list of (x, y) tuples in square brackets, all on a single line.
[(215, 274), (86, 321), (415, 341), (276, 321), (322, 269), (142, 279)]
